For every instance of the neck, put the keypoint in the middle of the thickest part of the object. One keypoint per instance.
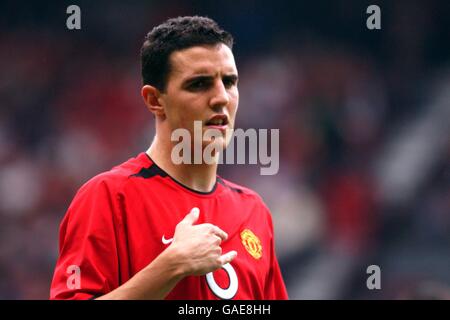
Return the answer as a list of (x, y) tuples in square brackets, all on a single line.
[(199, 177)]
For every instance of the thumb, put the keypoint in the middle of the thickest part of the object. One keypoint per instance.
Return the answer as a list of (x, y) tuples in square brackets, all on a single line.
[(227, 257), (192, 216)]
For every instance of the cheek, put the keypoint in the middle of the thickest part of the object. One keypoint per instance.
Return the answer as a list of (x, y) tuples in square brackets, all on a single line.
[(234, 106), (182, 112), (173, 117), (190, 113)]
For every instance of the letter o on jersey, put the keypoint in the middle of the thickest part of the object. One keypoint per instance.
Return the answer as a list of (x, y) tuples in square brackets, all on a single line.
[(229, 292)]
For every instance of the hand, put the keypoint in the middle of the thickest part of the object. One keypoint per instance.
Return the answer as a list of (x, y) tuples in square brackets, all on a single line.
[(198, 246)]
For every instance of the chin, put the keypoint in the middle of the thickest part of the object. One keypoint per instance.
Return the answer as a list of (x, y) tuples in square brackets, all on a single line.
[(218, 144)]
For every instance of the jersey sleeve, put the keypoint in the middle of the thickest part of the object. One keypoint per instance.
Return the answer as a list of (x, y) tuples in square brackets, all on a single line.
[(275, 288), (87, 266)]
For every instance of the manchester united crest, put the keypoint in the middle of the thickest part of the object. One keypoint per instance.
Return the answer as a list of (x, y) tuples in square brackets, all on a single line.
[(251, 243)]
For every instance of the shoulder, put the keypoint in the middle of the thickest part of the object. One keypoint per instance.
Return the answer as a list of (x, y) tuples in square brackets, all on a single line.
[(256, 207), (99, 197), (112, 181), (245, 193)]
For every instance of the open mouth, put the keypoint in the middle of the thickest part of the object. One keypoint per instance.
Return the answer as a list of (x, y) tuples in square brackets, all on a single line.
[(217, 121)]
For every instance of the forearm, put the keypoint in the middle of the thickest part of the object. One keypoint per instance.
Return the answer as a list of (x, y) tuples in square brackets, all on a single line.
[(151, 283)]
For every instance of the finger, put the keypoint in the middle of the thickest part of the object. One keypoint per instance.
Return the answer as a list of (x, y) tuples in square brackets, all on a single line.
[(192, 216), (220, 233), (218, 240), (227, 257)]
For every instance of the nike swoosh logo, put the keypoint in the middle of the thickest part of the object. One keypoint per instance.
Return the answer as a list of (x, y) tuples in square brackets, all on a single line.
[(166, 241)]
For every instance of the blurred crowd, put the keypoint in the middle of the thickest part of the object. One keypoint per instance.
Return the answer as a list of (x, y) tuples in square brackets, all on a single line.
[(345, 100)]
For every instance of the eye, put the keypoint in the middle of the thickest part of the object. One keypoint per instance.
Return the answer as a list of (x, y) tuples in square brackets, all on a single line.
[(229, 82), (199, 84)]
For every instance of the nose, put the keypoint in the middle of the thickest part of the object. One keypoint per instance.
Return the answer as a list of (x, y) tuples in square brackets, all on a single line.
[(220, 97)]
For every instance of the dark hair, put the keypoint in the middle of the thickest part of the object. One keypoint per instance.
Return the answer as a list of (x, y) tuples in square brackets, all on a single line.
[(172, 35)]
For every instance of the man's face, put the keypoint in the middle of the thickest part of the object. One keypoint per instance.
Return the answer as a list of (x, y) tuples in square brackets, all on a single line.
[(202, 86)]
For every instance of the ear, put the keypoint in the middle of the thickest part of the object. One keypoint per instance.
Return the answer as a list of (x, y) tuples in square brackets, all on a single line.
[(152, 98)]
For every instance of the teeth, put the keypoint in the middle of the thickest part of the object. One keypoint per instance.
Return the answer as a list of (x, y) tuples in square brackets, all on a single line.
[(216, 122)]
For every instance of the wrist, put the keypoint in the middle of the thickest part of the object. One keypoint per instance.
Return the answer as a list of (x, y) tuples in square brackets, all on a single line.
[(173, 260)]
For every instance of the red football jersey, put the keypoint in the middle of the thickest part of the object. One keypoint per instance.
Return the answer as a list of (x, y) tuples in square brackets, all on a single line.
[(121, 220)]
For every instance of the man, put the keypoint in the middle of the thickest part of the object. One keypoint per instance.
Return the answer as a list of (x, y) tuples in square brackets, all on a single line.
[(153, 229)]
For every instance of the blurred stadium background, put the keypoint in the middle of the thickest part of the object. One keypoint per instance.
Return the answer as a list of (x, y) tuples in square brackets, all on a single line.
[(363, 116)]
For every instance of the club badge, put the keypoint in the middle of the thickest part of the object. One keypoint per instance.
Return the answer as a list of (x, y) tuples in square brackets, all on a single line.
[(251, 243)]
